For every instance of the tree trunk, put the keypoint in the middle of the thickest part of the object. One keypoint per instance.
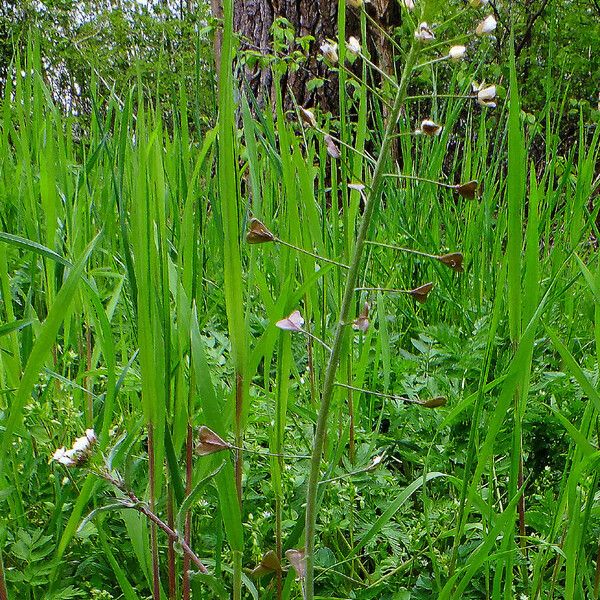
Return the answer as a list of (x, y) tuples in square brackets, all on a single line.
[(253, 20)]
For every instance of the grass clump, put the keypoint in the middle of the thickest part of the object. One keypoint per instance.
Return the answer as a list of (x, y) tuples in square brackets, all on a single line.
[(394, 395)]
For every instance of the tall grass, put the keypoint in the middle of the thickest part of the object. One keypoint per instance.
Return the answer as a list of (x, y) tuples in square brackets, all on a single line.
[(131, 303)]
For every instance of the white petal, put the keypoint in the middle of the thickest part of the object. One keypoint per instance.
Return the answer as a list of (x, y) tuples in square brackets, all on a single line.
[(457, 52), (486, 26), (292, 323)]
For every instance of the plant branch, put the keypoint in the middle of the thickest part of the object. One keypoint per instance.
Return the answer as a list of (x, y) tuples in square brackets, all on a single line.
[(347, 301), (140, 506)]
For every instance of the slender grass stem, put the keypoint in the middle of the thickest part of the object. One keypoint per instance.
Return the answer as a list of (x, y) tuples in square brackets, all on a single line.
[(381, 72), (433, 61), (309, 253), (449, 186), (378, 394), (382, 289), (347, 301), (429, 96), (402, 249)]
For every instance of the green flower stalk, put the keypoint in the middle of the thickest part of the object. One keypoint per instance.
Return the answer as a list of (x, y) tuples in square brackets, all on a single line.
[(348, 299)]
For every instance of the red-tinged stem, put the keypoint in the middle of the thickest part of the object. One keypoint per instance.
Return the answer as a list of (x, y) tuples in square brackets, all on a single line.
[(153, 539), (171, 547), (138, 505), (189, 448)]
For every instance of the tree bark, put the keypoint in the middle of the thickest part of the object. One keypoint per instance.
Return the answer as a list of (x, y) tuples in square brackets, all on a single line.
[(253, 20)]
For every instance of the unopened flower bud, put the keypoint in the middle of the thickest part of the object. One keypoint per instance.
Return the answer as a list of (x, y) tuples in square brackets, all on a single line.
[(353, 46), (486, 26), (457, 52), (294, 322), (330, 52), (409, 4)]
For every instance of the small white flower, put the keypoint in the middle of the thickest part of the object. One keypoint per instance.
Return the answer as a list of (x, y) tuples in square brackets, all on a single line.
[(79, 453), (354, 3), (65, 457), (81, 445), (353, 46), (330, 52), (409, 4), (376, 460), (457, 52), (486, 26), (486, 96), (424, 33), (478, 3)]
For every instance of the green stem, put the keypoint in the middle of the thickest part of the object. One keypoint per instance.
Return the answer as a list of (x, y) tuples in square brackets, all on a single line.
[(347, 301), (402, 249), (309, 253), (3, 592)]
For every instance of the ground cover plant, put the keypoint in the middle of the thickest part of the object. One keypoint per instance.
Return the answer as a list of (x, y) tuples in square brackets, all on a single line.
[(300, 354)]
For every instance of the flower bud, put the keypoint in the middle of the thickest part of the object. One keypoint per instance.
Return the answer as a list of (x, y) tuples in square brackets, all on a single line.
[(258, 233), (409, 4), (457, 52), (420, 294), (332, 149), (292, 323), (478, 3), (330, 52), (353, 46), (308, 116), (486, 26)]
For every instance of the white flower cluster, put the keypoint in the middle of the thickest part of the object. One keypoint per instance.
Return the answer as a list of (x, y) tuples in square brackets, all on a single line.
[(79, 452)]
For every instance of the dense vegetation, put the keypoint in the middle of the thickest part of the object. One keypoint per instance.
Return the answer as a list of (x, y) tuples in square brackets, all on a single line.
[(140, 299)]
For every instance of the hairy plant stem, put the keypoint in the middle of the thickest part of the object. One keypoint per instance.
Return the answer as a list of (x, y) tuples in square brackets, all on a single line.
[(347, 301), (141, 507)]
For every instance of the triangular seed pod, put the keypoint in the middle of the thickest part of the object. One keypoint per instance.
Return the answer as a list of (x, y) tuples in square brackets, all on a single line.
[(434, 402), (209, 442), (258, 233), (294, 322), (307, 116), (453, 260), (420, 294), (361, 323), (467, 190), (297, 559), (332, 149), (268, 564)]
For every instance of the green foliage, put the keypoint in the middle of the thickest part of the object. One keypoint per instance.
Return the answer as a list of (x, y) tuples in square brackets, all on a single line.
[(93, 47), (129, 297)]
